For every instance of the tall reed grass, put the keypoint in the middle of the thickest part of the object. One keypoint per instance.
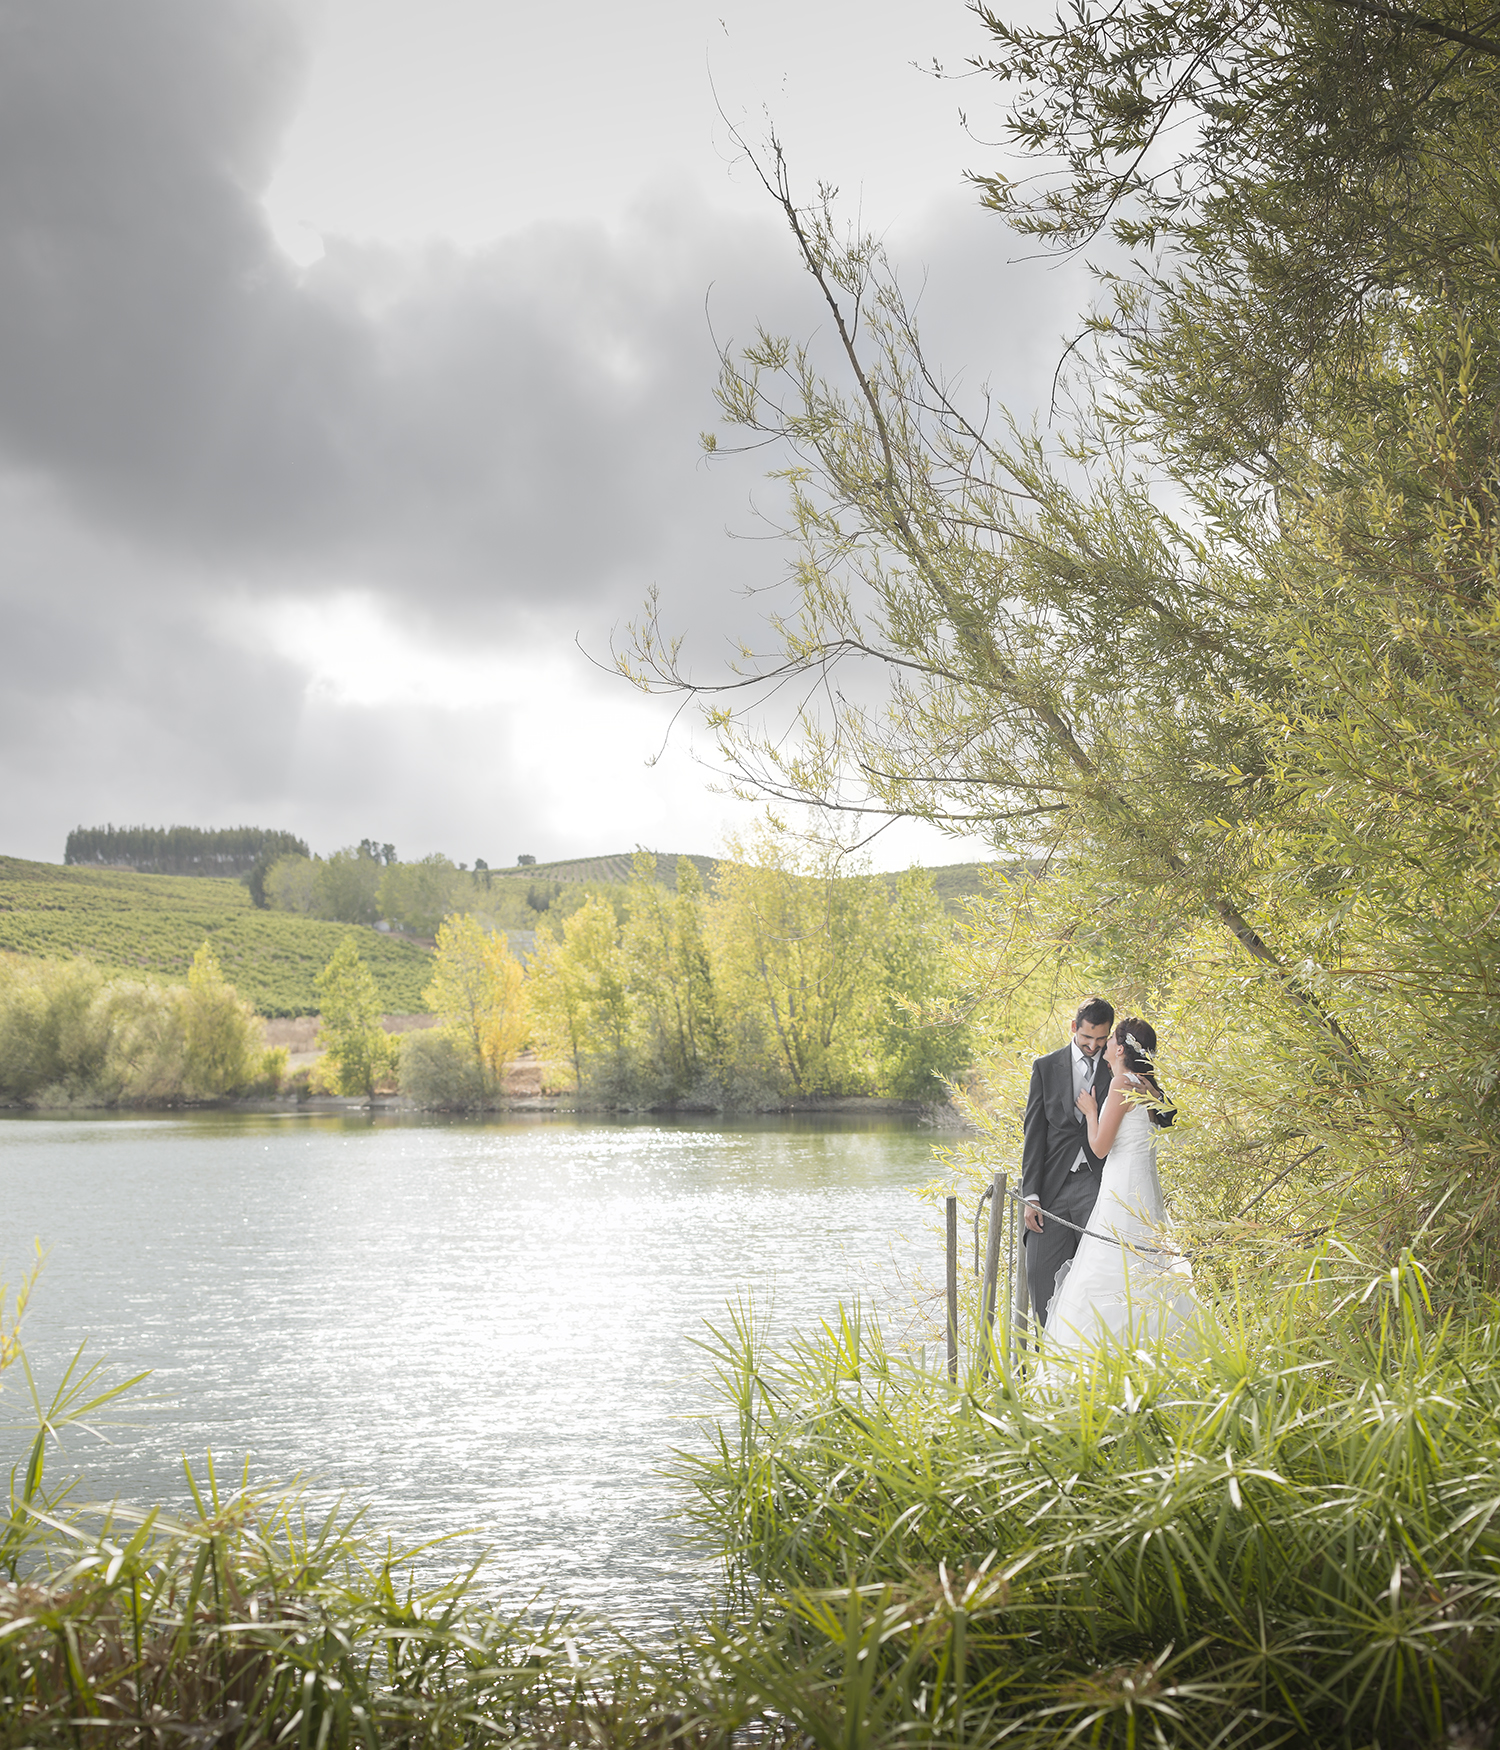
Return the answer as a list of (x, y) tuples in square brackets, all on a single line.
[(1290, 1537)]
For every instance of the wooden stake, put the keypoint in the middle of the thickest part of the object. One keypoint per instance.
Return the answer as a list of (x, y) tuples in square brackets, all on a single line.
[(953, 1288), (999, 1210)]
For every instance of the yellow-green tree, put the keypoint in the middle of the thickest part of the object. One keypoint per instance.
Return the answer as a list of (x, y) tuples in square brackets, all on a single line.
[(583, 996), (222, 1035), (479, 989), (925, 1042), (359, 1050), (796, 949), (674, 1019)]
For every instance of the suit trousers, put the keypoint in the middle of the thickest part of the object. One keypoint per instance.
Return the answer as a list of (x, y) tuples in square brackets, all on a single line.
[(1048, 1251)]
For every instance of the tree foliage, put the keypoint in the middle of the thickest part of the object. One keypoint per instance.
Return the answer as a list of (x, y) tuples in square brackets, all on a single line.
[(581, 996), (359, 1051), (1218, 665), (221, 1036), (180, 850), (73, 1034), (478, 988), (368, 884), (788, 976)]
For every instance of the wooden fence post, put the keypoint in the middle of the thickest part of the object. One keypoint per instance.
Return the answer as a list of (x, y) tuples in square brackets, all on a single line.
[(952, 1288), (999, 1213)]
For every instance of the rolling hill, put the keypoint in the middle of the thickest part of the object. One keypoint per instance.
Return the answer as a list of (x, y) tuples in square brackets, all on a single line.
[(607, 871), (154, 924)]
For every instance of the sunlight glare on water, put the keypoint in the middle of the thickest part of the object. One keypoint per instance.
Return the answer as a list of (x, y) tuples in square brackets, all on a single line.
[(483, 1327)]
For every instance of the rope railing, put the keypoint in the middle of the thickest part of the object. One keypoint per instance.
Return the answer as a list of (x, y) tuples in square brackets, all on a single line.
[(1006, 1236), (1051, 1215)]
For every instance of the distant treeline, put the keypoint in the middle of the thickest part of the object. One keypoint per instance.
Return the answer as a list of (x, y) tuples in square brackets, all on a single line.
[(181, 850)]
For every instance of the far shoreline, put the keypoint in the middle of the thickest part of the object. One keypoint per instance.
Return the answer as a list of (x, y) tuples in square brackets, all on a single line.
[(920, 1114)]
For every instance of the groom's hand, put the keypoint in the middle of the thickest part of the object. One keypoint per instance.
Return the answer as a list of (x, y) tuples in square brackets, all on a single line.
[(1033, 1218)]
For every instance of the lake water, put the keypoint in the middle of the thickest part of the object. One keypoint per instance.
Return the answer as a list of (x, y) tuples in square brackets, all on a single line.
[(483, 1327)]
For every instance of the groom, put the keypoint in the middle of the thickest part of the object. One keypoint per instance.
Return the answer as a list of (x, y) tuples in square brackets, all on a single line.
[(1059, 1172)]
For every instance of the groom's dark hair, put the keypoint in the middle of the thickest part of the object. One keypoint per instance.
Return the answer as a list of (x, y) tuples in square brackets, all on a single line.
[(1095, 1012)]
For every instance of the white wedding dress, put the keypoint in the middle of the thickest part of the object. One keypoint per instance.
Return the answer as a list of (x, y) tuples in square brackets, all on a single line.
[(1125, 1285)]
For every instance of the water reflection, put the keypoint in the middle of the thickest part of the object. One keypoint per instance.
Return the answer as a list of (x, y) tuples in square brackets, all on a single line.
[(471, 1324)]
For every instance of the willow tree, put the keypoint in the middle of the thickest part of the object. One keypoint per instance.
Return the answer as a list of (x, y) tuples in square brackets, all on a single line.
[(1223, 656)]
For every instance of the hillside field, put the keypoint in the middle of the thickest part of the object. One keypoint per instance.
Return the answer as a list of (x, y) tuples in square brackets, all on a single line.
[(609, 871), (154, 924), (954, 882)]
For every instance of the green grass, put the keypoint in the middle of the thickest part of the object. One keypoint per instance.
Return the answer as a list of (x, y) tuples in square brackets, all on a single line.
[(255, 1620), (1291, 1536), (154, 924)]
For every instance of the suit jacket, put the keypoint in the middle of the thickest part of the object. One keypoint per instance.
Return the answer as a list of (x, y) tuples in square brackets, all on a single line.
[(1055, 1128)]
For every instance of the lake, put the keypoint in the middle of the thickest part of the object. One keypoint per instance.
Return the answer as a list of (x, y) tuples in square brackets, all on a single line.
[(484, 1327)]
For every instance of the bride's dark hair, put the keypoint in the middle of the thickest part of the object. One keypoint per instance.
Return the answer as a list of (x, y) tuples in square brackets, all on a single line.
[(1139, 1039)]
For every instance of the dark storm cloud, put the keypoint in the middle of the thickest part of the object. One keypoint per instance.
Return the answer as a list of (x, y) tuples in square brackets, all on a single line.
[(119, 700), (498, 421), (515, 418)]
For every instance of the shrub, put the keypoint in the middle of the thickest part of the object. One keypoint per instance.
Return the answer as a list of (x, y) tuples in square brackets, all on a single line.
[(70, 1037), (270, 1072), (147, 1027), (439, 1071), (1290, 1537), (51, 1033), (222, 1036)]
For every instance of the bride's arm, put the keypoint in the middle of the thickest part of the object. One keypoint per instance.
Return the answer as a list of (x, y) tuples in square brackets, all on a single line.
[(1104, 1126)]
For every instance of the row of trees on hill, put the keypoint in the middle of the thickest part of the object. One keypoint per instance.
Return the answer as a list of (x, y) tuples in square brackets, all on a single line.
[(368, 884), (1219, 651), (181, 850)]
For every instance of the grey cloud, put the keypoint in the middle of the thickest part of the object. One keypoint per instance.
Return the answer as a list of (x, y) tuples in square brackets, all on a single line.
[(517, 418), (477, 427), (500, 444)]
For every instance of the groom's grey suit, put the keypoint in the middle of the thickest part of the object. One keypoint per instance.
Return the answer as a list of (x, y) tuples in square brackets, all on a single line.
[(1055, 1132)]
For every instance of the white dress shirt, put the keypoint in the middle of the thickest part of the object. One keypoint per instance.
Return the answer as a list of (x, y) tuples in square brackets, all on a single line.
[(1084, 1069)]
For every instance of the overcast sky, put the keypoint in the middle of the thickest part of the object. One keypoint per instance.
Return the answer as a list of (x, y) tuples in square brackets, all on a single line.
[(353, 358)]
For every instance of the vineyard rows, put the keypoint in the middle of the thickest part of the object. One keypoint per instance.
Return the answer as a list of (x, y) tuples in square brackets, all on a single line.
[(153, 924)]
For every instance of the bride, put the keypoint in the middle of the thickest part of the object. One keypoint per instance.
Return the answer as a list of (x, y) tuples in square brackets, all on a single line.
[(1126, 1282)]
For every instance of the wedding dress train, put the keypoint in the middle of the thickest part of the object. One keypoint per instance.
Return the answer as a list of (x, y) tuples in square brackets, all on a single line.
[(1125, 1284)]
